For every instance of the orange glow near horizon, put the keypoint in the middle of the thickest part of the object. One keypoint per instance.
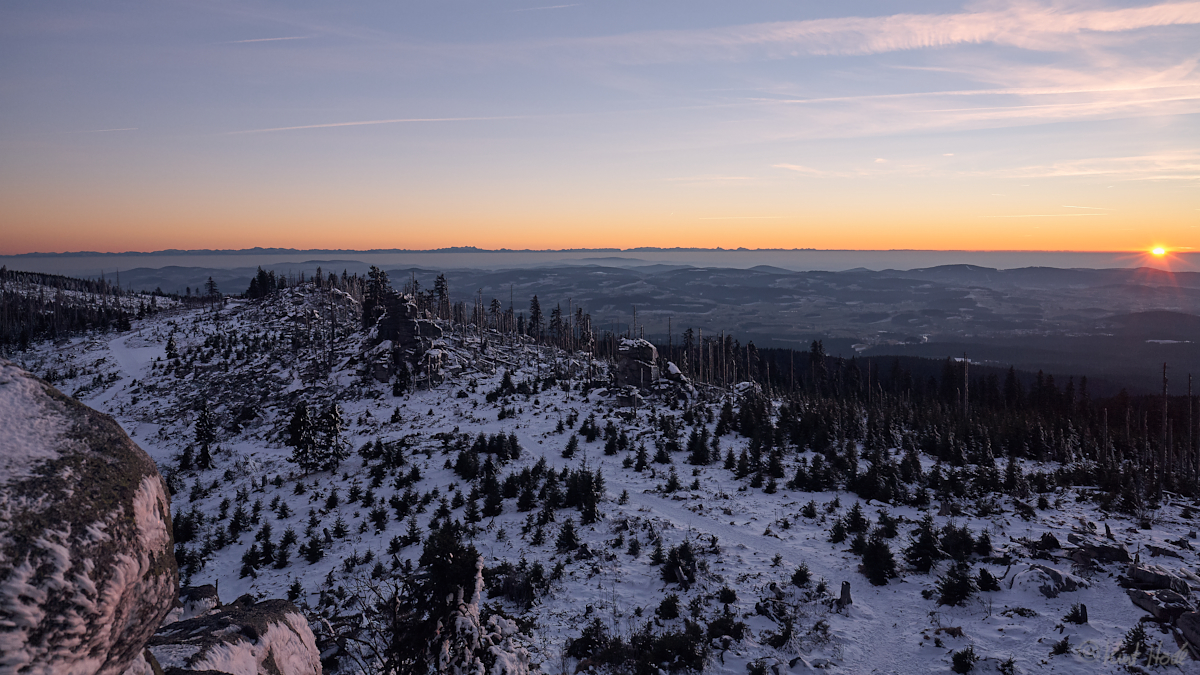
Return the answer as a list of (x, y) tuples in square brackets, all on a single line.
[(49, 227)]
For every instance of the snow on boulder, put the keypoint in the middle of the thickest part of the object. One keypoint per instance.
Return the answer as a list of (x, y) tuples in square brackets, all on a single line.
[(1099, 549), (1166, 605), (242, 638), (1151, 577), (194, 601), (1047, 581), (87, 564), (637, 363)]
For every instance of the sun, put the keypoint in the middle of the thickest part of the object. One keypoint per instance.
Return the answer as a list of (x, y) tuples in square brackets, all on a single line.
[(1159, 251)]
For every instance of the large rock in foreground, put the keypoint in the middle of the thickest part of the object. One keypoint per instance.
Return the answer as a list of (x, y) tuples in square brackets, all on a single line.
[(87, 564), (271, 637)]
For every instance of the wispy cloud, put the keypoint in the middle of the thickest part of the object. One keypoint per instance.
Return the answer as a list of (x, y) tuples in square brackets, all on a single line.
[(364, 123), (1024, 25), (810, 171), (1093, 208), (274, 39), (1183, 165), (1050, 215)]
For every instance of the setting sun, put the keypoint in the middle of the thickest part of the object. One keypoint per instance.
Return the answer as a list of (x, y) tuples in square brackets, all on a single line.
[(1158, 250)]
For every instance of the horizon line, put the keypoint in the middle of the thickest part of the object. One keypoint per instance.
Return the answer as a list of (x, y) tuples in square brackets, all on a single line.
[(636, 249)]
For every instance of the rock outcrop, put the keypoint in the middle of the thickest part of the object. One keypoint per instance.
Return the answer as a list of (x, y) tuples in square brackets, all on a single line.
[(637, 363), (1100, 550), (87, 565), (242, 638), (1048, 581)]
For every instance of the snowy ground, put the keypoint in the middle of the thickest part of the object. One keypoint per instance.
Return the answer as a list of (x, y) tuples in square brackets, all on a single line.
[(888, 629)]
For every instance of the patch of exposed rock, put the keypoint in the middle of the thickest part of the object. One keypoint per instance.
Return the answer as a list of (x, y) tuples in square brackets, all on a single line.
[(87, 565), (241, 638), (637, 363)]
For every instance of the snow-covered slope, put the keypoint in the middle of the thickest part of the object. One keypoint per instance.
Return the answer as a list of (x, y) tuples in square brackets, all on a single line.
[(252, 364)]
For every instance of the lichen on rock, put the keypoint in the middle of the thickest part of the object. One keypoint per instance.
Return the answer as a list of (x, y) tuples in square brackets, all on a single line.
[(87, 565)]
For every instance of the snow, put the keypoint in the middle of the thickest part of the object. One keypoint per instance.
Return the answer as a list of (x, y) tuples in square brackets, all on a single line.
[(149, 507), (31, 430), (888, 629)]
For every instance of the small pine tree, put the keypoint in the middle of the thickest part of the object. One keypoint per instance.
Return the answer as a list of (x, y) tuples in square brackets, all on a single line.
[(801, 577), (878, 565), (572, 446), (1136, 641), (855, 520), (923, 550), (642, 460), (672, 482), (567, 540), (956, 586), (658, 556), (1077, 615), (837, 533), (204, 460), (312, 550), (986, 581)]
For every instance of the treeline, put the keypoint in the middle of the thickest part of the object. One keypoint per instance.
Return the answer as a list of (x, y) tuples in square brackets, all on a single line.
[(35, 306)]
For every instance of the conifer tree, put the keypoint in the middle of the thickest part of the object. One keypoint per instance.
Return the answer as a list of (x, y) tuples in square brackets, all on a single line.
[(878, 565), (333, 450), (567, 540), (302, 439), (206, 433), (535, 319), (923, 550)]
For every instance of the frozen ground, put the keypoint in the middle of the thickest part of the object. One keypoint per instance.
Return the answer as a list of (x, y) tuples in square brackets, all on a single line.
[(760, 538)]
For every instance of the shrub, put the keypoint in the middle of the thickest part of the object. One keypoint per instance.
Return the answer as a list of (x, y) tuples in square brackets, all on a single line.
[(591, 639), (669, 608), (680, 565), (986, 581), (801, 577), (964, 659), (1136, 640), (1077, 615), (1063, 646), (727, 596), (726, 624)]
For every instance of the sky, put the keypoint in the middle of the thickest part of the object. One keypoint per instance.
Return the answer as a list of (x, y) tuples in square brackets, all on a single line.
[(546, 124)]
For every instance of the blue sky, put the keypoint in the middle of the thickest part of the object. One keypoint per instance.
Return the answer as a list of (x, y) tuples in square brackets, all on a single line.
[(1001, 125)]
